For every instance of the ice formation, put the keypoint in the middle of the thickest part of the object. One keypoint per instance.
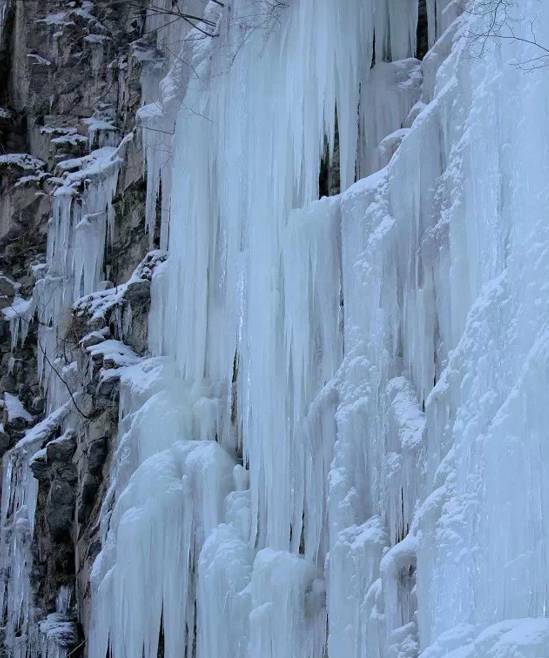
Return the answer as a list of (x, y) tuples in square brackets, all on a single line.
[(76, 242), (375, 359), (336, 447), (19, 497)]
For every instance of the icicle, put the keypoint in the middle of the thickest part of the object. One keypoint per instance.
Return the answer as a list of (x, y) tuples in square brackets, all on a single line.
[(19, 499), (19, 314), (189, 481)]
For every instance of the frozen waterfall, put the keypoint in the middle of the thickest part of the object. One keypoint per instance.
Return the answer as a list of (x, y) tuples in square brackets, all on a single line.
[(346, 456), (334, 446), (354, 465)]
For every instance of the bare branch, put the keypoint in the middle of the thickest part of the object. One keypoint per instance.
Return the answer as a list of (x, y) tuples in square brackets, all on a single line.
[(49, 362), (500, 27), (180, 14), (63, 381)]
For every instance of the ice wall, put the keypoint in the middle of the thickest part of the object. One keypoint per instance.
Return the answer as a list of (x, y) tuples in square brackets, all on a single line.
[(342, 450)]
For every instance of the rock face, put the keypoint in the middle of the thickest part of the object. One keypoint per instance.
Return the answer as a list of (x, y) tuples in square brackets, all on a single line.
[(73, 73)]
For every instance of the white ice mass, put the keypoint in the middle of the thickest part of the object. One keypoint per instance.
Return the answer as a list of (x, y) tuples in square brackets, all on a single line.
[(338, 447)]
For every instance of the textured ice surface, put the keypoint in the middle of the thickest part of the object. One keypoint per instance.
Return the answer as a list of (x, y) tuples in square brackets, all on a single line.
[(377, 360)]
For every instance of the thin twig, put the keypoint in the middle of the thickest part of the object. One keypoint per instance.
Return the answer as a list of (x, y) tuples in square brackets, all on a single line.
[(64, 381), (73, 651), (500, 27)]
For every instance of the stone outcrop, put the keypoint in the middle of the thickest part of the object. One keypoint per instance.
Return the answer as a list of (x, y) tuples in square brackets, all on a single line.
[(72, 72)]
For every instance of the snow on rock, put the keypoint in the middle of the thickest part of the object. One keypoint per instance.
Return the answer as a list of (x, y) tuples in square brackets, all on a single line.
[(94, 337), (22, 161), (15, 410), (72, 139), (94, 163), (102, 132), (57, 636), (34, 58), (58, 18), (98, 305), (59, 632), (112, 354), (79, 229)]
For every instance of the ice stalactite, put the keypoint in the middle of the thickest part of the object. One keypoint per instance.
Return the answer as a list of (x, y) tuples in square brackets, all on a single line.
[(19, 313), (254, 164), (19, 498), (80, 225), (375, 360), (160, 482), (164, 83), (252, 306)]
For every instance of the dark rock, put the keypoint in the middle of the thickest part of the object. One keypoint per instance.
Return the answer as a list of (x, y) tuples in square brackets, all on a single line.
[(97, 452), (16, 424), (59, 518), (62, 449), (67, 473), (4, 442), (61, 493), (47, 100), (7, 383), (90, 485), (39, 465), (107, 389), (36, 406), (138, 292)]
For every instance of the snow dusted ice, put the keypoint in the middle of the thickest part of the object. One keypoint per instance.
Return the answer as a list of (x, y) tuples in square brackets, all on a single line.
[(338, 443)]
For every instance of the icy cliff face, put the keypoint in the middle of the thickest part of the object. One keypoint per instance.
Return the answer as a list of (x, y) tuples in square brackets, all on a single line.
[(345, 455), (331, 422)]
